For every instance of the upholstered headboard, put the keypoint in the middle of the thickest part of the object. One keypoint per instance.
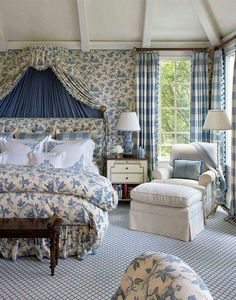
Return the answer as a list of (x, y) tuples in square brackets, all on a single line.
[(95, 126)]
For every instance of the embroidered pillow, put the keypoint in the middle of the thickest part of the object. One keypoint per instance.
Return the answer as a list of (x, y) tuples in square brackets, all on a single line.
[(74, 150), (47, 160), (187, 169), (33, 145)]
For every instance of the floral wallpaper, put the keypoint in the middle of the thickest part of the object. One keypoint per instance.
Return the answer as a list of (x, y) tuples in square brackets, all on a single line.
[(110, 76)]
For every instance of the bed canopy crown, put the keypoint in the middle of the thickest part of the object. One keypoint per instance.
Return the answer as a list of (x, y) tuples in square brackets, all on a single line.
[(16, 64)]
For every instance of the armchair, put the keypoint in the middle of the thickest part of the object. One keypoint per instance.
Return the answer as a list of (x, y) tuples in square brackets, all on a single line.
[(206, 181)]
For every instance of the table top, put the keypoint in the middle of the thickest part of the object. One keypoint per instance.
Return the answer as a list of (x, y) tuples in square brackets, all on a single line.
[(125, 158), (29, 224)]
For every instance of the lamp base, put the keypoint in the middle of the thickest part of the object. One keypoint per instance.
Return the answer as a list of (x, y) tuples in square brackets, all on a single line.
[(127, 142)]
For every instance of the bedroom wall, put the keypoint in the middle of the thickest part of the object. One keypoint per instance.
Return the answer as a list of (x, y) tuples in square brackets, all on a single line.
[(110, 76)]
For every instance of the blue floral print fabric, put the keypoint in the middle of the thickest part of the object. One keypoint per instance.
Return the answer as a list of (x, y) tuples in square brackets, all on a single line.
[(81, 199), (161, 276)]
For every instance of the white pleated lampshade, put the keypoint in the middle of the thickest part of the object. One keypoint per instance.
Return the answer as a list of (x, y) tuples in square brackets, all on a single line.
[(128, 121), (217, 119)]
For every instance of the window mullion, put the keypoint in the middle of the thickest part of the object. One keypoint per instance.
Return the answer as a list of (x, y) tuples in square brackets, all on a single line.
[(175, 107)]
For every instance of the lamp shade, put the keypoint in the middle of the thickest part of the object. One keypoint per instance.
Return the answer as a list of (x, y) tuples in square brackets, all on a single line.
[(128, 121), (217, 119)]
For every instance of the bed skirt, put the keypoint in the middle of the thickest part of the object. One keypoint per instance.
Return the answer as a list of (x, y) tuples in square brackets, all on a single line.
[(74, 240)]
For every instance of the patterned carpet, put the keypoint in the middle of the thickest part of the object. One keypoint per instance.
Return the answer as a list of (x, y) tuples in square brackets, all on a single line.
[(212, 255)]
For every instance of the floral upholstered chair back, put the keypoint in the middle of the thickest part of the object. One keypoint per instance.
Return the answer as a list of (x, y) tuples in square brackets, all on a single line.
[(161, 276)]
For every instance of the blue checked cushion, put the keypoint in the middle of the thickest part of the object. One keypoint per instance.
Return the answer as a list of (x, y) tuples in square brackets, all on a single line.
[(6, 135), (33, 136), (73, 136), (187, 169)]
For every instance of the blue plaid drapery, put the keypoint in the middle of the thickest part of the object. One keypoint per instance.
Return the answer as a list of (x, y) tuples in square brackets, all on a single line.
[(218, 81), (199, 97), (233, 162), (147, 70), (218, 93)]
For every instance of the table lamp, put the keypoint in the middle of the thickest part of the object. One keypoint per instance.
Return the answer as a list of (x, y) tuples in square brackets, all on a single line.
[(127, 123)]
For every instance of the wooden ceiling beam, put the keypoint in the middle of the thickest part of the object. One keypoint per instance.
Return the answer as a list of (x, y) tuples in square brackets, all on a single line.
[(147, 27), (83, 25), (3, 42), (207, 20)]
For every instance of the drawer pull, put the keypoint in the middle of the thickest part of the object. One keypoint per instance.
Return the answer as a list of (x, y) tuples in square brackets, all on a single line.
[(127, 168), (127, 178)]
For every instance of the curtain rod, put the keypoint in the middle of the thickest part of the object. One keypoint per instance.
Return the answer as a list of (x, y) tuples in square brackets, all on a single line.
[(224, 43), (169, 49)]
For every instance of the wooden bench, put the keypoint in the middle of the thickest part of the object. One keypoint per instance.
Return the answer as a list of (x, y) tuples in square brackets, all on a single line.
[(34, 228)]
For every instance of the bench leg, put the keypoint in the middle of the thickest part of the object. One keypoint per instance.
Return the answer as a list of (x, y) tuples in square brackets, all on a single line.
[(57, 248), (53, 253)]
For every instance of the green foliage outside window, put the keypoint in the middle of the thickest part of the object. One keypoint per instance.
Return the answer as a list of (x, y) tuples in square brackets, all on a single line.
[(174, 105)]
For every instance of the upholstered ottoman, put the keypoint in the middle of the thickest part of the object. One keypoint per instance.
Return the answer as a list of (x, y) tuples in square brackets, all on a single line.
[(161, 276), (167, 209)]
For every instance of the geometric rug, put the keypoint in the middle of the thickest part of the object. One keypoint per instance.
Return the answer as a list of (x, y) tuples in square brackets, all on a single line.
[(212, 255)]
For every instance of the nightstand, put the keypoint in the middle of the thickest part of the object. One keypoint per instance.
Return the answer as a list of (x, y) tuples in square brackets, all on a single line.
[(125, 173)]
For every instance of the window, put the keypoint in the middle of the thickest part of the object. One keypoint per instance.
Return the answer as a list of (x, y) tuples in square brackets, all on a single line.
[(174, 105), (229, 68)]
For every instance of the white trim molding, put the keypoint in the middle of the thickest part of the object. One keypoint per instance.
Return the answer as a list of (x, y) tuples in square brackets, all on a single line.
[(107, 45)]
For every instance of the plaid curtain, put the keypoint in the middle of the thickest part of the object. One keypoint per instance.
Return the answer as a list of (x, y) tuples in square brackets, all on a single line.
[(233, 162), (218, 101), (218, 81), (218, 94), (199, 97), (147, 71)]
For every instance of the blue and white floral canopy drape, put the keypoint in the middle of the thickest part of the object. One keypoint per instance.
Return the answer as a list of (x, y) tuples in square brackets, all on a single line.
[(40, 58), (147, 70)]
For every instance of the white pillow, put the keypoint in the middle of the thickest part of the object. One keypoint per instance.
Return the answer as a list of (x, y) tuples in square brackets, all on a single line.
[(3, 158), (75, 150), (32, 144), (47, 160), (92, 168), (17, 150), (16, 154), (3, 141)]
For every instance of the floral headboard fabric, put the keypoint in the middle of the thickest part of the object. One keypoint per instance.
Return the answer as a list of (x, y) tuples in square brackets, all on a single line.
[(95, 126)]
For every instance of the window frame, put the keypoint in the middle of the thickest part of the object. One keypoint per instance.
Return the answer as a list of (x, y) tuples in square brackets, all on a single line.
[(229, 67), (175, 108)]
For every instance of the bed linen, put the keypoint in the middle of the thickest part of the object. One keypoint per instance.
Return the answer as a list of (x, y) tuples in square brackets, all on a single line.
[(82, 199)]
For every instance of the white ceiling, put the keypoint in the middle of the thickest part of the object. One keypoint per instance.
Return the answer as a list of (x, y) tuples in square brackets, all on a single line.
[(115, 24)]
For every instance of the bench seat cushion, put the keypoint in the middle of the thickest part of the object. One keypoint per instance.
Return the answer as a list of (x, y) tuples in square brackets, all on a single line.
[(166, 194)]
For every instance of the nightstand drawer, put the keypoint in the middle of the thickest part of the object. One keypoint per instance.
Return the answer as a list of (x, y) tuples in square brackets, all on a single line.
[(127, 178), (127, 168)]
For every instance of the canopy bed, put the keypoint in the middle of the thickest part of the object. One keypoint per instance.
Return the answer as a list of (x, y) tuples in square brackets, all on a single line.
[(59, 176)]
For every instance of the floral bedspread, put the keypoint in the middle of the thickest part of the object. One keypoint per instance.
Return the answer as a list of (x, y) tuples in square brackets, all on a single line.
[(80, 199)]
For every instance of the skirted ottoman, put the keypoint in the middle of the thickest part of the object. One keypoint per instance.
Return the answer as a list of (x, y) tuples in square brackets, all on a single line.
[(161, 276), (171, 210)]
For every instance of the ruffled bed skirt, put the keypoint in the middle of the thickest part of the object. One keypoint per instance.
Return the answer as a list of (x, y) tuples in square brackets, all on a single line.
[(79, 240)]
